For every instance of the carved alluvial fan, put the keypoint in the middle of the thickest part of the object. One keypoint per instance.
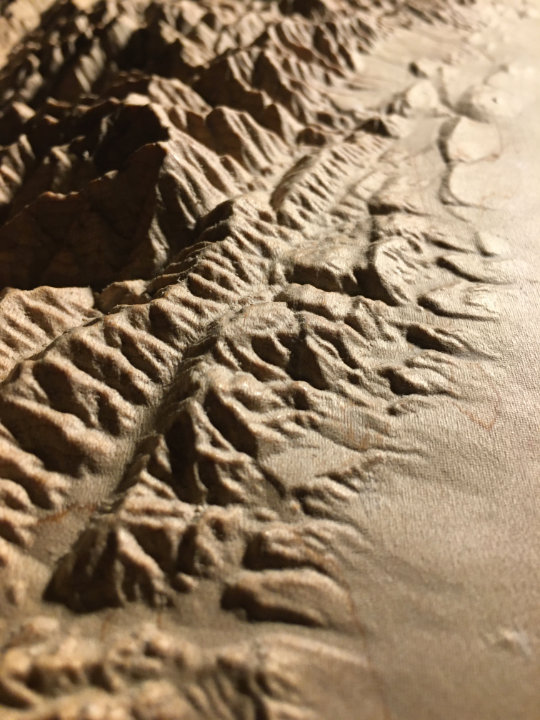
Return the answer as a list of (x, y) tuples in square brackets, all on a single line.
[(268, 360)]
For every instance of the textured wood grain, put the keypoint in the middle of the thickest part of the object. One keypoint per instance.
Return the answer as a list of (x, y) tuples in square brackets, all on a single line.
[(268, 360)]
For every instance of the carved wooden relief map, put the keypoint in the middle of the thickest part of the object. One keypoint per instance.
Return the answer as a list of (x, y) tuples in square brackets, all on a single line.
[(269, 358)]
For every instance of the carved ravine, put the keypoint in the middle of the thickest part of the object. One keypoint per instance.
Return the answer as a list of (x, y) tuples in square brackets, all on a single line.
[(269, 360)]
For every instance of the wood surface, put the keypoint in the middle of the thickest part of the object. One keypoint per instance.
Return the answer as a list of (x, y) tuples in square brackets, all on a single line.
[(269, 360)]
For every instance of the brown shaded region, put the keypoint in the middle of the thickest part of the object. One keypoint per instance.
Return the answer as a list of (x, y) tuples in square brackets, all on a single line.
[(268, 360)]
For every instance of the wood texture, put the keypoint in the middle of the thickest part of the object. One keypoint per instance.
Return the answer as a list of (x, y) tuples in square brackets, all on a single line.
[(269, 360)]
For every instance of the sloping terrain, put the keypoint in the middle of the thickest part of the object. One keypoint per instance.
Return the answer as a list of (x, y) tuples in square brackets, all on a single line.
[(268, 360)]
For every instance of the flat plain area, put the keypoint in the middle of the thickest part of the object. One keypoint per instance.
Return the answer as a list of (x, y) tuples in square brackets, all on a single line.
[(269, 358)]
